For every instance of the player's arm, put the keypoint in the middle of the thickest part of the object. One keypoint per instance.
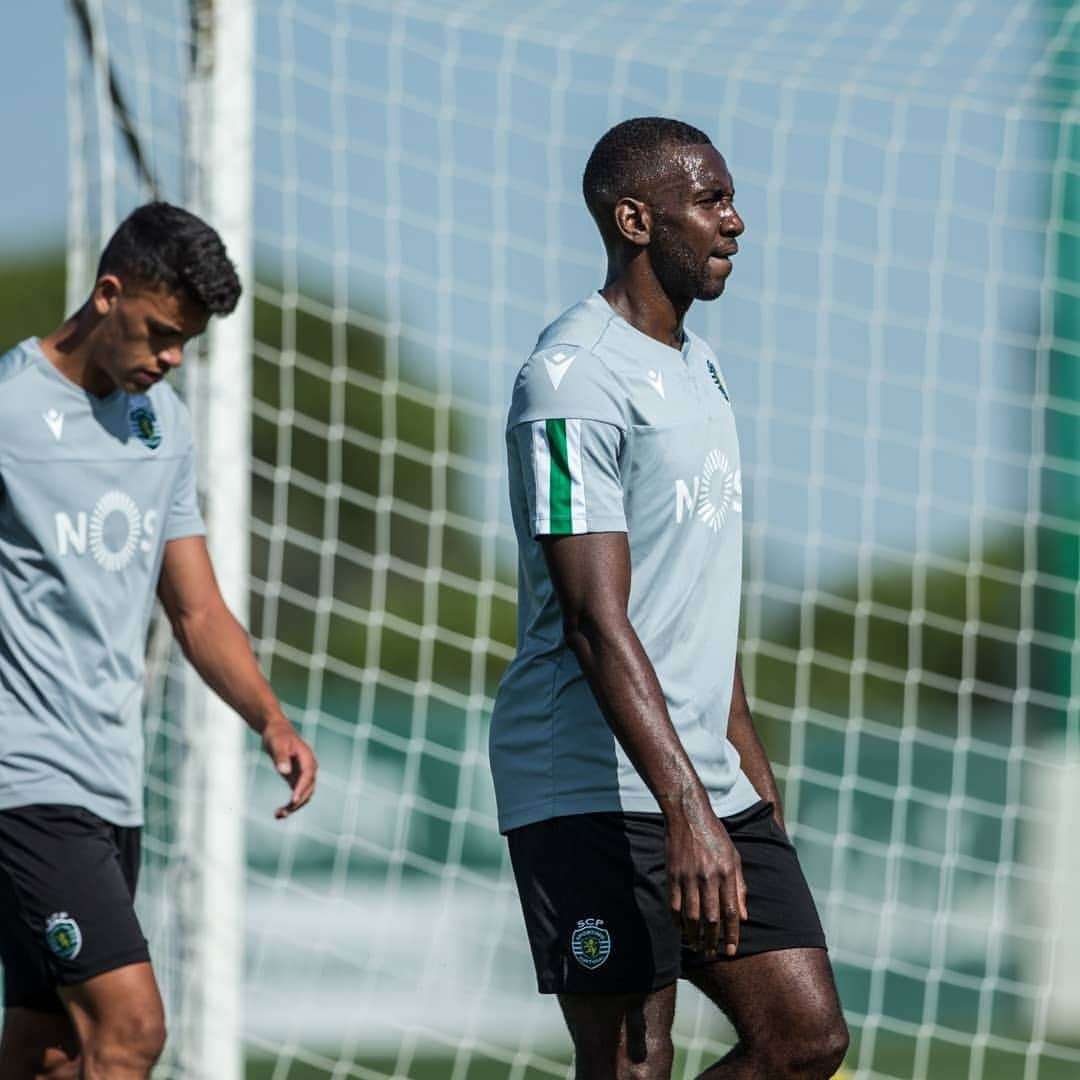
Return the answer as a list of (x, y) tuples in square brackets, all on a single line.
[(219, 650), (591, 576), (743, 736)]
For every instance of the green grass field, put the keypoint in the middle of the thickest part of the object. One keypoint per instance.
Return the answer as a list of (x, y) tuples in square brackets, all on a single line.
[(893, 1057), (421, 1068)]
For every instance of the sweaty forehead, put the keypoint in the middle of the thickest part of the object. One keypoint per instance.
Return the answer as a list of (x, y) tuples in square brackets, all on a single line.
[(695, 168)]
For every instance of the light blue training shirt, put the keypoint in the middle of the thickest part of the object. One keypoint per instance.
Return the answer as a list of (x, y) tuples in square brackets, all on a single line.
[(611, 431), (91, 489)]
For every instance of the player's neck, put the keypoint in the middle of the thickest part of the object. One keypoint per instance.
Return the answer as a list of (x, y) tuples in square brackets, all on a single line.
[(641, 301), (70, 348)]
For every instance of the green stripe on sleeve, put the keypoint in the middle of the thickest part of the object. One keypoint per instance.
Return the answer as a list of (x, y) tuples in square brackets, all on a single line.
[(559, 479)]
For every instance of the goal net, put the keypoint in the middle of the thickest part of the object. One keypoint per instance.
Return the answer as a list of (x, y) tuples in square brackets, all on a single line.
[(901, 348)]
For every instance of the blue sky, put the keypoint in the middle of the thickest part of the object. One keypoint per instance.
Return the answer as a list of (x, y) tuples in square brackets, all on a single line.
[(33, 182)]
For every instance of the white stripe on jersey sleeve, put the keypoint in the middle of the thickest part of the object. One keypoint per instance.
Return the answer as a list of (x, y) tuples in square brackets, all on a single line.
[(579, 523), (541, 463)]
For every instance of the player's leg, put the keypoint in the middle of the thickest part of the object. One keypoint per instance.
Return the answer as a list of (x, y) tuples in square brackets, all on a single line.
[(38, 1041), (38, 1045), (67, 886), (594, 894), (115, 1031), (120, 1022), (778, 991), (621, 1036), (785, 1011)]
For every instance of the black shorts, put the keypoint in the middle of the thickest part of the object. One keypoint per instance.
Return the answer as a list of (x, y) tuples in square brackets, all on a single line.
[(594, 892), (67, 886)]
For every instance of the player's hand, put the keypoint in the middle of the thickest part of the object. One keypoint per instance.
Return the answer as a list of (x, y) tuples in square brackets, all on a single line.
[(708, 893), (294, 760)]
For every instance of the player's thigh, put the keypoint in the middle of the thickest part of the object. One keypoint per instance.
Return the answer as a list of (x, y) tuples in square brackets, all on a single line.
[(778, 991), (121, 1007), (780, 907), (37, 1043), (783, 997), (618, 1036)]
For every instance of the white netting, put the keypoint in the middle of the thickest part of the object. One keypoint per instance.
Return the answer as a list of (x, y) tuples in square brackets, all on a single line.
[(895, 353)]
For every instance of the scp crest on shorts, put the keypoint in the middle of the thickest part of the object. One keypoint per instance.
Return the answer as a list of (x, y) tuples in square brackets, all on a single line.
[(590, 943)]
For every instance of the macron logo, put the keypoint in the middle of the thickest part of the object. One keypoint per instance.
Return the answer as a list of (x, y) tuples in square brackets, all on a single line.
[(557, 367), (55, 420), (656, 381)]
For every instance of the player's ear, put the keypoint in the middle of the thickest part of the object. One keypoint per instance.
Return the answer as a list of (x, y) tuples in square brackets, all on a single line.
[(633, 220), (106, 294)]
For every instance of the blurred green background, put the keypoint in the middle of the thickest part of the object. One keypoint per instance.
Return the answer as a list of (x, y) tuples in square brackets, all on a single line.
[(941, 608), (909, 699)]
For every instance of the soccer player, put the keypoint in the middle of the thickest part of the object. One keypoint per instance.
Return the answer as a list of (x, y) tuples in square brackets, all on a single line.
[(97, 512), (642, 815)]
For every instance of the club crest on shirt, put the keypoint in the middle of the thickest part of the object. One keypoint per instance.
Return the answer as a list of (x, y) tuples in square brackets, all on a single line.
[(143, 422), (716, 379), (63, 936), (590, 943)]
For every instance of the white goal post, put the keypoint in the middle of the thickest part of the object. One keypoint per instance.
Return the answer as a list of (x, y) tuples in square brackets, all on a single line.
[(208, 1040), (205, 879)]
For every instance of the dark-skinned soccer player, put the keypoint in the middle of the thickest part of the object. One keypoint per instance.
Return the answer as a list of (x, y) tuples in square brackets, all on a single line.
[(642, 815)]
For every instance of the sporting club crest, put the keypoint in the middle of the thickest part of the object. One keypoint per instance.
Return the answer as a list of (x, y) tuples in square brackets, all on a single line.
[(63, 936), (590, 943), (143, 422)]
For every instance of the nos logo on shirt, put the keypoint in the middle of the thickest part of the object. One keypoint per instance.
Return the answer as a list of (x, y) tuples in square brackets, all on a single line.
[(712, 495), (112, 532)]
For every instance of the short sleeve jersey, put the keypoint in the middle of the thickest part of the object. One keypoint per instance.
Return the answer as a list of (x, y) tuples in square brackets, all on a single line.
[(612, 431), (90, 491)]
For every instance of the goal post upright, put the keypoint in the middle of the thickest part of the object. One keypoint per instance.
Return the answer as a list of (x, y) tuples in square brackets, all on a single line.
[(219, 186), (1061, 426), (1056, 666)]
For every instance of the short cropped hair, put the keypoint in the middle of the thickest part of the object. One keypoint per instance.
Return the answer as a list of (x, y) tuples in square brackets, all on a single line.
[(163, 246), (628, 157)]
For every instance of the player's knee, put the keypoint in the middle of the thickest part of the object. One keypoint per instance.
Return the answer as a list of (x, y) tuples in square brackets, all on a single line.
[(814, 1057), (652, 1060), (833, 1046), (133, 1041), (146, 1032), (657, 1067), (649, 1058)]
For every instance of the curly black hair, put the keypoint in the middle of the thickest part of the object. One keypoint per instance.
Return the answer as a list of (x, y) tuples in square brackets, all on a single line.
[(628, 157), (159, 245)]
